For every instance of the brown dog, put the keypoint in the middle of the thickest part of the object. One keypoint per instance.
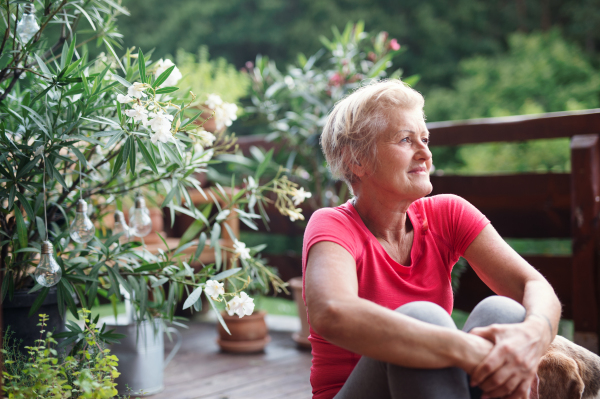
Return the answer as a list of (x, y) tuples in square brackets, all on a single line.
[(568, 371)]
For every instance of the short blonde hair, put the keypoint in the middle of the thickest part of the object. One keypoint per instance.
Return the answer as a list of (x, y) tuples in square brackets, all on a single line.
[(356, 122)]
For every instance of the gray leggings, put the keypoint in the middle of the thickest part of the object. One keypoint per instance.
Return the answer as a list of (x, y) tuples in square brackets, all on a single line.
[(376, 379)]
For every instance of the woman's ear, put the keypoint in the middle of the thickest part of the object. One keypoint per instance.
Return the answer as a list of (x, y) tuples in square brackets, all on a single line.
[(357, 168)]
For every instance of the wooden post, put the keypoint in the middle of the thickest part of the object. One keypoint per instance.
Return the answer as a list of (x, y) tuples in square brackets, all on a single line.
[(585, 206)]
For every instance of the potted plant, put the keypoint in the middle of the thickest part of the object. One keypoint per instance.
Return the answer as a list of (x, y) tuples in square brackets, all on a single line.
[(89, 372), (78, 134)]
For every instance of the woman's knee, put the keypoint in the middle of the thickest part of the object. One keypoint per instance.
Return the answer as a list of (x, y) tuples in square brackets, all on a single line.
[(428, 312), (495, 310)]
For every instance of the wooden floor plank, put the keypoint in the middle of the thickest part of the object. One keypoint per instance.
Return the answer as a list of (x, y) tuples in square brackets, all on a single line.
[(201, 371)]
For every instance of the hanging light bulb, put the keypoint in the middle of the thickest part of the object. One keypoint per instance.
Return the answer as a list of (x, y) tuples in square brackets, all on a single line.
[(27, 27), (139, 220), (82, 228), (120, 226), (47, 272)]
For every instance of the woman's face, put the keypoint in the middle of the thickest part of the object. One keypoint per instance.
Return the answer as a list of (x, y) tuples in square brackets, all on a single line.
[(403, 158)]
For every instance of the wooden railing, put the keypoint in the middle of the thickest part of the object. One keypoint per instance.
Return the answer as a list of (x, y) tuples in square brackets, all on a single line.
[(527, 205)]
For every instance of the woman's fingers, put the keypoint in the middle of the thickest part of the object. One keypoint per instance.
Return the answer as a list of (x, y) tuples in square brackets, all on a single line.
[(522, 391), (492, 362), (508, 386), (498, 382)]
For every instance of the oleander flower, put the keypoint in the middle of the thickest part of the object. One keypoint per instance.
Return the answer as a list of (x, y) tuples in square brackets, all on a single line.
[(164, 136), (174, 77), (242, 305), (124, 99), (214, 289), (138, 113), (214, 101), (223, 215), (241, 250), (300, 195), (137, 90), (206, 139), (160, 121), (394, 45), (294, 214)]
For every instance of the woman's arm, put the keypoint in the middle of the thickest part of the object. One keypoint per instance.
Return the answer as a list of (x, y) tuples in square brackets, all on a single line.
[(338, 314), (511, 366)]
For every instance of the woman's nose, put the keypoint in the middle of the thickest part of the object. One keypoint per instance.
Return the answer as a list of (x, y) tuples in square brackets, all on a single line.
[(423, 151)]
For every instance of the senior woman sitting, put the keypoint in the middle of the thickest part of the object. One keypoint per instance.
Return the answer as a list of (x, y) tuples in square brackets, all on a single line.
[(377, 271)]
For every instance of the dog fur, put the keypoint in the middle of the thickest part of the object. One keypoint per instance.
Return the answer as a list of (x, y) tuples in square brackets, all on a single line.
[(568, 371)]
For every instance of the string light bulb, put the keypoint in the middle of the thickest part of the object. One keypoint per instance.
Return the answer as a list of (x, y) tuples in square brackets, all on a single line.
[(27, 27), (47, 272), (82, 228), (139, 219), (120, 226)]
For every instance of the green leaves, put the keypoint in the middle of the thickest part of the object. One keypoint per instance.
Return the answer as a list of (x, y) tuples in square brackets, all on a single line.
[(21, 228), (194, 296), (142, 66), (163, 76)]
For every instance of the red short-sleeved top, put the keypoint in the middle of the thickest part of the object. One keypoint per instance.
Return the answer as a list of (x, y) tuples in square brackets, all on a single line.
[(444, 227)]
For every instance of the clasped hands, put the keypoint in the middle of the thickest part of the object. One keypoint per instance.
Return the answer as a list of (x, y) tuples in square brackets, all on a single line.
[(510, 363)]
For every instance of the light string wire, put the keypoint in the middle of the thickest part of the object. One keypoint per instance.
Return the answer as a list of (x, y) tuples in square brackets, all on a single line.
[(44, 188)]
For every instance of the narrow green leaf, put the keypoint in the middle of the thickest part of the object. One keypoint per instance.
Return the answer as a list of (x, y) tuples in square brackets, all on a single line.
[(166, 90), (191, 120), (38, 301), (147, 156), (21, 228), (159, 282), (263, 165), (112, 51), (200, 248), (162, 77), (132, 155), (218, 313), (121, 80), (23, 201), (225, 274), (41, 227), (57, 175), (194, 296), (142, 66), (169, 196)]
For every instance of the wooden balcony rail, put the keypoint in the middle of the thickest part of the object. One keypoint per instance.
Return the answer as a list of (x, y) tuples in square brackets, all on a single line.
[(528, 205)]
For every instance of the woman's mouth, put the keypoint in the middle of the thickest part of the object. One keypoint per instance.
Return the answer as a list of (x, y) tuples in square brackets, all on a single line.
[(419, 171)]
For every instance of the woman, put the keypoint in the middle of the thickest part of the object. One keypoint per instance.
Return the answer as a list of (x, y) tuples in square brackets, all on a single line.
[(390, 248)]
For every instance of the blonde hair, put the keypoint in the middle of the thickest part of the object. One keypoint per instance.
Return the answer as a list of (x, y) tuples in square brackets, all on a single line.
[(356, 122)]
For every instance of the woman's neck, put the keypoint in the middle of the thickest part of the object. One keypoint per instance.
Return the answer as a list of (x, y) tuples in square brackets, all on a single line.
[(387, 220)]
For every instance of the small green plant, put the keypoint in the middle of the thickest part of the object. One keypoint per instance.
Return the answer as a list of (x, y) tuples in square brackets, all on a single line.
[(89, 373)]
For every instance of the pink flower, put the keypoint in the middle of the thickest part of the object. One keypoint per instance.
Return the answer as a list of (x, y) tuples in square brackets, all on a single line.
[(336, 80), (394, 45)]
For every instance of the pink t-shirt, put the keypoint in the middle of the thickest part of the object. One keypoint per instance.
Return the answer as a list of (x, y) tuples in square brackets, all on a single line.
[(444, 226)]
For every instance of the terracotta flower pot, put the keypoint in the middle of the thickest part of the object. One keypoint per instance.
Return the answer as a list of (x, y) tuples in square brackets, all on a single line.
[(301, 337), (248, 334)]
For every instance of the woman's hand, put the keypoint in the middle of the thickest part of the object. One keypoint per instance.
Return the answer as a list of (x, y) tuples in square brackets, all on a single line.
[(510, 367)]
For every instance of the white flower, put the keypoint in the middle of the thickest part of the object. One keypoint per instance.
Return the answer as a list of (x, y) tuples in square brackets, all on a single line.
[(174, 77), (214, 100), (207, 156), (164, 136), (295, 214), (252, 185), (136, 90), (138, 113), (300, 195), (223, 215), (205, 138), (213, 288), (124, 99), (160, 121), (242, 305), (38, 151), (241, 250), (225, 115)]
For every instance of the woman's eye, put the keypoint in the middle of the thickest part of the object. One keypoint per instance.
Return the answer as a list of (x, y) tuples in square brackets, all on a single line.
[(405, 140), (426, 140)]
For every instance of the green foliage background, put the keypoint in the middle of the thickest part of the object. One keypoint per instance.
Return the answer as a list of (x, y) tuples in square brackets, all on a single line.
[(437, 33)]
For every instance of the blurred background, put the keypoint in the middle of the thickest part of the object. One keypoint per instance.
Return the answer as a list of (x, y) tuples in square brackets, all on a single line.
[(473, 58), (286, 62)]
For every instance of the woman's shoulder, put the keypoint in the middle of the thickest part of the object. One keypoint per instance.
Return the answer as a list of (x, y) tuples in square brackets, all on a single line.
[(441, 202), (342, 213)]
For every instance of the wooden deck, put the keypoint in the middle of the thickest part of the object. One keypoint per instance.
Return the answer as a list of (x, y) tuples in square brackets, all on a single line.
[(200, 370)]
